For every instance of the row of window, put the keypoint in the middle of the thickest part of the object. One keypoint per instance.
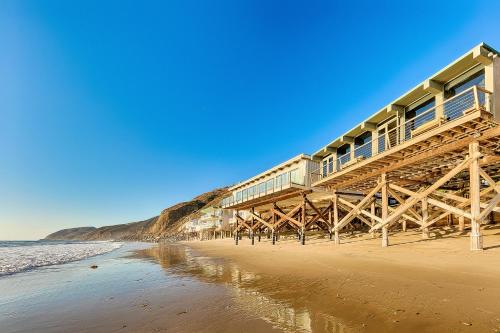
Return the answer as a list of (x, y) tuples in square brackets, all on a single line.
[(389, 136), (274, 184)]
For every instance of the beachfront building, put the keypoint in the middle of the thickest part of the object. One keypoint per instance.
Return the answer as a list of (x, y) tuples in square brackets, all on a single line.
[(431, 155), (213, 222)]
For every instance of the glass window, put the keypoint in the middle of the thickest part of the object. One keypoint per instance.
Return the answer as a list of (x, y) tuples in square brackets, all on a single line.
[(250, 191), (278, 182), (245, 194), (325, 167), (330, 164), (262, 188), (238, 196), (343, 153), (416, 111), (270, 185), (363, 145), (295, 177), (417, 116), (285, 180), (474, 80)]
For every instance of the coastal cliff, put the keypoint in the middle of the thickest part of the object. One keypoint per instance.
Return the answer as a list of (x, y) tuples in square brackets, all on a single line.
[(164, 226)]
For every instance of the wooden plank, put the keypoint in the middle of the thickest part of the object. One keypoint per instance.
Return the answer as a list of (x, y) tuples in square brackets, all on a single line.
[(288, 216), (350, 215), (264, 222)]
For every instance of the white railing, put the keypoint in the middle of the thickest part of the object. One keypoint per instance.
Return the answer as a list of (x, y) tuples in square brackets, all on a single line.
[(474, 98), (282, 181)]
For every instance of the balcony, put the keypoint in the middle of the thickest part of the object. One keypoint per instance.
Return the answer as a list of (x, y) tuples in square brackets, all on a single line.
[(284, 183), (472, 99)]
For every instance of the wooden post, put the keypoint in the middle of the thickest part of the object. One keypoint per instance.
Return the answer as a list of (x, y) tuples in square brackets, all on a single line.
[(336, 218), (476, 239), (425, 218), (372, 211), (461, 223), (330, 223), (237, 232), (404, 225), (251, 229), (274, 226), (303, 218), (385, 211)]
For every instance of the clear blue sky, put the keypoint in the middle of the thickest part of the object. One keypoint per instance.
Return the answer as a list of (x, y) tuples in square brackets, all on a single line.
[(113, 110)]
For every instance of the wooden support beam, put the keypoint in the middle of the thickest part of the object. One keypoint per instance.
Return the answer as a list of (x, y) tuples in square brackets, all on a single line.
[(352, 214), (358, 212), (373, 212), (402, 201), (288, 216), (420, 195), (336, 219), (425, 218), (476, 239), (261, 220), (385, 208)]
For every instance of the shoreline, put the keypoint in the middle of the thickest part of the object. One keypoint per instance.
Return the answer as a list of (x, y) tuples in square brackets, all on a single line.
[(413, 285)]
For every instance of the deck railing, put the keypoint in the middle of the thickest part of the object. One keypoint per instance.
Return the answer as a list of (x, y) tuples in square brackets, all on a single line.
[(279, 183), (474, 98)]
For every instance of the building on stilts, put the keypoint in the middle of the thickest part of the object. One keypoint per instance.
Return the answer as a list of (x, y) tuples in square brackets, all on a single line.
[(429, 158)]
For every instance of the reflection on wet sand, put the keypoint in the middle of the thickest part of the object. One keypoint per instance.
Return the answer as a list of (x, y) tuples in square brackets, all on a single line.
[(277, 301)]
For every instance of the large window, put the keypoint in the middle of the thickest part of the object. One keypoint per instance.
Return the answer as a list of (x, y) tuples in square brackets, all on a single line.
[(325, 167), (330, 164), (278, 182), (270, 185), (464, 98), (474, 80), (238, 196), (285, 179), (250, 191), (295, 177), (363, 145), (245, 194), (343, 153), (262, 188), (419, 115)]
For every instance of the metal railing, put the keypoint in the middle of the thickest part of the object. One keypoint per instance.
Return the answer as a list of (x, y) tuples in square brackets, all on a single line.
[(474, 98), (286, 180)]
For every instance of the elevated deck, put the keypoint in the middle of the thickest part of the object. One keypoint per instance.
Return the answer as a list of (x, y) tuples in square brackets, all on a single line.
[(418, 159)]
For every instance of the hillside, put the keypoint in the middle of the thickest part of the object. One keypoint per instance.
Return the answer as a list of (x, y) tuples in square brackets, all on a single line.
[(166, 225)]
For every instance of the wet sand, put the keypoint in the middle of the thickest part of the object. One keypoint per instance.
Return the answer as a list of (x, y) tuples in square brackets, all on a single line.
[(415, 285), (132, 290), (435, 285)]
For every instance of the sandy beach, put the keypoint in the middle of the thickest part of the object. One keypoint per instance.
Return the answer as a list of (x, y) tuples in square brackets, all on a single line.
[(415, 285)]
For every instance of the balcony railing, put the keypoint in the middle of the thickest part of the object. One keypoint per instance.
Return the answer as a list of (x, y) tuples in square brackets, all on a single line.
[(474, 98), (281, 182)]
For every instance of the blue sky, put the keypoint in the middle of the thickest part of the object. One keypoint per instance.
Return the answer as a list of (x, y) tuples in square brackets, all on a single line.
[(111, 111)]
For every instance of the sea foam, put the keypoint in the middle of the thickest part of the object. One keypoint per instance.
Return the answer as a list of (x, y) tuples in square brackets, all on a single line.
[(14, 259)]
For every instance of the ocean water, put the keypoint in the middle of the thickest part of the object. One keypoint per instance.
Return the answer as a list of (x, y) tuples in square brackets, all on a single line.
[(20, 256)]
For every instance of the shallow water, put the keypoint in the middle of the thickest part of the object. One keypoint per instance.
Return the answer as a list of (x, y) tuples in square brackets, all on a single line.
[(19, 256), (166, 288), (280, 302)]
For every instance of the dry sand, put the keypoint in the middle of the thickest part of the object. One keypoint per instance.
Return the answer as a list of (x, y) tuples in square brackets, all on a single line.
[(434, 285)]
